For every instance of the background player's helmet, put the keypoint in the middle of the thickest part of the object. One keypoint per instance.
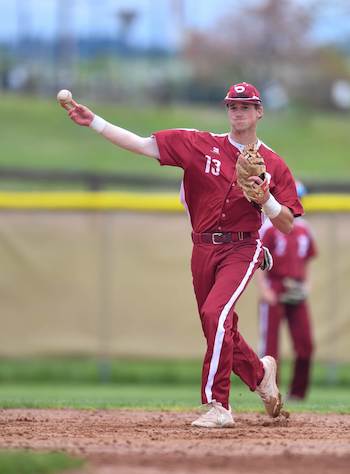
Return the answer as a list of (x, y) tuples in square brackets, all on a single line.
[(301, 189), (243, 92)]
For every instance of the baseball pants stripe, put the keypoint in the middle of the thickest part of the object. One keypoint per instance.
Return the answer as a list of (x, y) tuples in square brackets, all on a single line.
[(220, 333)]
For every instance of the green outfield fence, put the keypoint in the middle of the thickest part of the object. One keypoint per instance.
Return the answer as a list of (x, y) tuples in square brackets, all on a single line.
[(107, 274)]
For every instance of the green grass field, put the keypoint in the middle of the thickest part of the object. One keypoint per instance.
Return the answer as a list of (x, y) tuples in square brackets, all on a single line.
[(37, 134), (26, 462), (85, 370), (156, 396), (150, 384)]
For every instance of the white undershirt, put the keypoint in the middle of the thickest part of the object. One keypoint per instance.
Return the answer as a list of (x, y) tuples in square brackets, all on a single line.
[(239, 145)]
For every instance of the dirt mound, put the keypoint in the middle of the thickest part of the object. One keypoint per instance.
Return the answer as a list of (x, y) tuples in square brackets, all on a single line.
[(130, 442)]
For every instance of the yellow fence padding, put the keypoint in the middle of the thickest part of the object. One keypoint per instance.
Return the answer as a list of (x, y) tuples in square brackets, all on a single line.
[(160, 202), (141, 202), (327, 203)]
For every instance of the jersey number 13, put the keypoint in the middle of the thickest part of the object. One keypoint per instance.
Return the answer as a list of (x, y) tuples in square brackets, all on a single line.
[(212, 166)]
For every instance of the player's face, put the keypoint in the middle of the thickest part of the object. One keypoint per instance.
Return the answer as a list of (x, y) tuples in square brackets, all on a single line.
[(244, 116)]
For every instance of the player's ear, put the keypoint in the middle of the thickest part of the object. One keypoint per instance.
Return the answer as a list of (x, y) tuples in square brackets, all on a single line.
[(260, 111)]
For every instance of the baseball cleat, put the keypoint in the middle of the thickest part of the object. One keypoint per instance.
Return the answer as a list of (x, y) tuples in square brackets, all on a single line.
[(268, 389), (216, 417)]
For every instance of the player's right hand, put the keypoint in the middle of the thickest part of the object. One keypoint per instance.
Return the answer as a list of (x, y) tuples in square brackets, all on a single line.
[(80, 114)]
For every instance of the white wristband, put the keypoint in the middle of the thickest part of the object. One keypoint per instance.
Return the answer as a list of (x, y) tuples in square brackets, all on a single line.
[(98, 124), (272, 207)]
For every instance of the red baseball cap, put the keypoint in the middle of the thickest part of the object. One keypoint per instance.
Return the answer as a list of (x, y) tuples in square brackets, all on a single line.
[(243, 92)]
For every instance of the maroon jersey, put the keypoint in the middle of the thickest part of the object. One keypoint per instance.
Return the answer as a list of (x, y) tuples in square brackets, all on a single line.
[(290, 252), (213, 199)]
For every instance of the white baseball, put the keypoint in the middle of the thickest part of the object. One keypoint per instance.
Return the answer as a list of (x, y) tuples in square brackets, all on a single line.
[(64, 96)]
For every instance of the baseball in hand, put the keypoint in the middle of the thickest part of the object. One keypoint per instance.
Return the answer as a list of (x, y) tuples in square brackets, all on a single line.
[(64, 96)]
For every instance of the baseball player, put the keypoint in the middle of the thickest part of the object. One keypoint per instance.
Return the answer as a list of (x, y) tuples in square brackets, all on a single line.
[(283, 295), (225, 220)]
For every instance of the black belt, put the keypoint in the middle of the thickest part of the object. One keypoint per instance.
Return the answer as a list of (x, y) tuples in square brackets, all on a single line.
[(217, 238)]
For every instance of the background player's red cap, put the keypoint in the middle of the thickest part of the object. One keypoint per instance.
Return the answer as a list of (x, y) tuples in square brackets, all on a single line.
[(243, 92)]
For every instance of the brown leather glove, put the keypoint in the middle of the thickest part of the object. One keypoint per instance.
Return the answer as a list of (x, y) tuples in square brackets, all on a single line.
[(294, 291), (250, 164)]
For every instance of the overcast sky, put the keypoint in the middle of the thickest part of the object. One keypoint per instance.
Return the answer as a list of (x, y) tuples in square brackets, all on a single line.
[(154, 23)]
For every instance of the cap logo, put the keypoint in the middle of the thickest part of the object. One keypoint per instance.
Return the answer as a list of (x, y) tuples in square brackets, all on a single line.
[(239, 89)]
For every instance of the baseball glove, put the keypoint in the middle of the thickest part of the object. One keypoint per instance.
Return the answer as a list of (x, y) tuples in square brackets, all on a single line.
[(295, 291), (250, 164)]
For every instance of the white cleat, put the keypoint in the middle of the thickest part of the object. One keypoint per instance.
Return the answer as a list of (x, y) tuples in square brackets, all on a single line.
[(216, 417), (268, 389)]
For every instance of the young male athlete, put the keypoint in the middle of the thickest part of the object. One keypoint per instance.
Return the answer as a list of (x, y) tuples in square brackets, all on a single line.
[(284, 295), (227, 249)]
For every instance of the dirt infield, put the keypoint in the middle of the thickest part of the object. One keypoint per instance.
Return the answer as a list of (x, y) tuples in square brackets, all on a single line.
[(130, 442)]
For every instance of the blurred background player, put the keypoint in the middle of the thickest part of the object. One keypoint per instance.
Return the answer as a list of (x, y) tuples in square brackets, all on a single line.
[(283, 295)]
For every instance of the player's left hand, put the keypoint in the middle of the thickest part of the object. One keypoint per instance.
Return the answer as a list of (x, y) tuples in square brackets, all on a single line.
[(251, 174), (257, 190)]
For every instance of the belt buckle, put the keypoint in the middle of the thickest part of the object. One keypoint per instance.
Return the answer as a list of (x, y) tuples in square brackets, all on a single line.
[(214, 235), (240, 235)]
